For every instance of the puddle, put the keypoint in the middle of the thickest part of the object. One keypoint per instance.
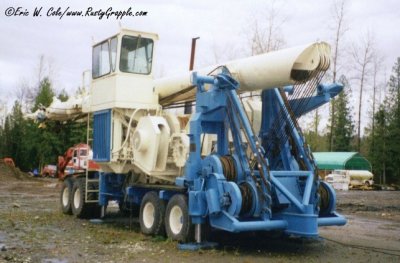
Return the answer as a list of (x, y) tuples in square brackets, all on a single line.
[(2, 237)]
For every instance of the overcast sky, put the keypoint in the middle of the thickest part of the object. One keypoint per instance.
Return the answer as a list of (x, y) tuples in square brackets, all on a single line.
[(221, 25)]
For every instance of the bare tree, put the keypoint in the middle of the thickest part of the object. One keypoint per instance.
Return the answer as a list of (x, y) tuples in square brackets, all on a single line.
[(340, 28), (362, 55), (376, 67), (28, 88), (40, 69), (3, 112), (267, 31), (44, 69), (224, 53), (22, 90), (24, 94)]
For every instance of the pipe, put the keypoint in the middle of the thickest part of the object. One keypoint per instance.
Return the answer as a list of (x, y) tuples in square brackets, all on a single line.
[(188, 104), (335, 220), (265, 71), (259, 225), (197, 233)]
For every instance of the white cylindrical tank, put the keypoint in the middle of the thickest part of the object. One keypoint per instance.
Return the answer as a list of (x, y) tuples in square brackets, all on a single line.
[(265, 71)]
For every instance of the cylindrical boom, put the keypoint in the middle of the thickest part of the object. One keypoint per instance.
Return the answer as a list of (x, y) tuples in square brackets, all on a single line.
[(265, 71)]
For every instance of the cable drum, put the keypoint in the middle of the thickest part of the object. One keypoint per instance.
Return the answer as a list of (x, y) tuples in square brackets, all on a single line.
[(327, 198), (247, 198), (229, 168), (230, 173)]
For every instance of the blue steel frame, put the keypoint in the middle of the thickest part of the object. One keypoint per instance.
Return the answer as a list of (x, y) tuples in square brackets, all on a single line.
[(110, 188), (283, 196)]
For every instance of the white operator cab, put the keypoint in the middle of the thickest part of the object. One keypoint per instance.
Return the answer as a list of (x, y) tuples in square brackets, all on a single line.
[(122, 74), (122, 91)]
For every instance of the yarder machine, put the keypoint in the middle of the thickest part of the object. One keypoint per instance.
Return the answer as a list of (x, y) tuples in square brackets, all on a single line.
[(238, 163)]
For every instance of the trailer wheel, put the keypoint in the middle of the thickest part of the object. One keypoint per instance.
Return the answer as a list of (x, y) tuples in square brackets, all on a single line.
[(65, 197), (151, 216), (177, 221), (79, 208)]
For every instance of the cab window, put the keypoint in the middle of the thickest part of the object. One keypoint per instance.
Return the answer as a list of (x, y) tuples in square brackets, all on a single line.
[(136, 55), (113, 47), (101, 60)]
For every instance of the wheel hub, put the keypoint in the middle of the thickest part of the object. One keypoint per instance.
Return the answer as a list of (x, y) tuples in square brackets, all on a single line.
[(77, 198), (65, 197), (148, 215), (175, 219)]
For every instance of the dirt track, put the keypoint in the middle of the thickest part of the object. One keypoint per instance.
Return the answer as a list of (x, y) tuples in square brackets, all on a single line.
[(32, 229)]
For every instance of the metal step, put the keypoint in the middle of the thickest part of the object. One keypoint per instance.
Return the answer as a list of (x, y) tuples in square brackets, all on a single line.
[(92, 191), (92, 180)]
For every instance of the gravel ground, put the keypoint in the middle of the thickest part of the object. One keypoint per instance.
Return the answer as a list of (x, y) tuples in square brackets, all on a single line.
[(32, 229)]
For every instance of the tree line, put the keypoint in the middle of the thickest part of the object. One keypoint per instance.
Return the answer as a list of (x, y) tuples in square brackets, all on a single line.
[(357, 64), (380, 143), (32, 145)]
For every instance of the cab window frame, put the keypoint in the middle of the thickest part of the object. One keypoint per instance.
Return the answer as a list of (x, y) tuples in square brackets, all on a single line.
[(107, 41), (150, 57), (113, 61)]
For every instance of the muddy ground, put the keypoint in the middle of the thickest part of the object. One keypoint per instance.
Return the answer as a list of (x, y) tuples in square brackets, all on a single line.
[(32, 229)]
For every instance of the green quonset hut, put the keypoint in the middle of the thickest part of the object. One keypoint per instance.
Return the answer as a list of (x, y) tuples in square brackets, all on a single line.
[(341, 161)]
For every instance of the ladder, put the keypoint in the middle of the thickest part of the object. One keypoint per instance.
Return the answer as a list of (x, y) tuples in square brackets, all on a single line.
[(91, 184)]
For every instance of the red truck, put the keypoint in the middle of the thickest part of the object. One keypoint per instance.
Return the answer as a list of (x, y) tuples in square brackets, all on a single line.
[(76, 160)]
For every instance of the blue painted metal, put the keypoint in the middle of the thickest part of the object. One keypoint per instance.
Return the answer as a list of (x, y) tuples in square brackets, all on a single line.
[(135, 194), (334, 220), (110, 187), (102, 135), (283, 186), (197, 246), (324, 94), (227, 222)]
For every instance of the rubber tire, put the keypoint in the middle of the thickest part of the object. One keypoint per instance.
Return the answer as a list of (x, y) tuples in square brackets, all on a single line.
[(67, 184), (186, 234), (157, 227), (83, 210)]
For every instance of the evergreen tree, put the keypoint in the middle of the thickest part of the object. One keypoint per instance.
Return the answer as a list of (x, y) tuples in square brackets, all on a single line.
[(378, 151), (343, 129), (45, 94), (63, 95), (6, 142), (14, 134), (384, 153), (393, 102), (33, 147), (317, 142)]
